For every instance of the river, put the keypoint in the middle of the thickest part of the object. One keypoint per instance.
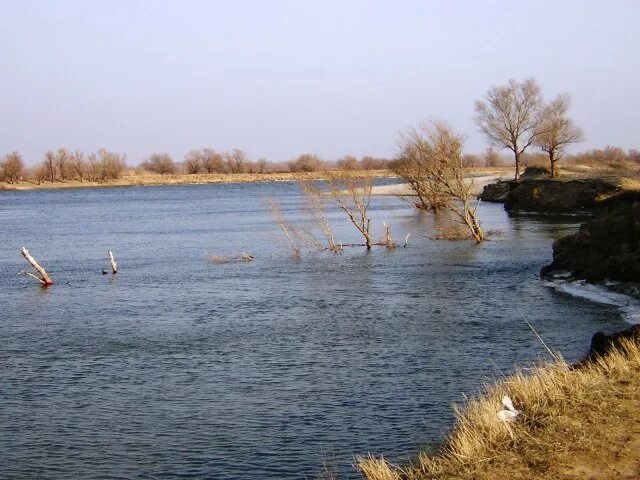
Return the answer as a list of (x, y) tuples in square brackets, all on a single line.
[(178, 367)]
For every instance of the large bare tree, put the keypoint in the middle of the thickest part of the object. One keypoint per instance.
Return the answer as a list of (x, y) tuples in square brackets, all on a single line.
[(509, 116), (557, 130)]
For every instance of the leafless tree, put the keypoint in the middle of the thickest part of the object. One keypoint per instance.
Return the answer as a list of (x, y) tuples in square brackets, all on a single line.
[(510, 116), (49, 165), (441, 148), (11, 167), (316, 202), (371, 163), (416, 165), (93, 168), (236, 161), (348, 162), (351, 193), (212, 162), (557, 130), (261, 165), (307, 162), (112, 165), (62, 163), (286, 227), (161, 163), (78, 164), (193, 162)]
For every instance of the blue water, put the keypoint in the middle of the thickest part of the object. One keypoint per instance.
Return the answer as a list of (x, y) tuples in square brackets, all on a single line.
[(178, 367)]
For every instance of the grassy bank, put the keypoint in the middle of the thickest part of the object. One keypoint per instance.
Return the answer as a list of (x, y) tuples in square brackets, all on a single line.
[(574, 424)]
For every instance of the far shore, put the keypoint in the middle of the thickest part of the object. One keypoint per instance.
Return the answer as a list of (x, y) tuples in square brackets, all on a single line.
[(482, 176)]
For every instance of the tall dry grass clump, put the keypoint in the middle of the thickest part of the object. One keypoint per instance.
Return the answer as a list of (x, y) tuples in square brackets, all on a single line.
[(573, 423)]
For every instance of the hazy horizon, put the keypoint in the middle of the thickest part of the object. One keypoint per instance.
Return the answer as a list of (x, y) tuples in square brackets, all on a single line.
[(284, 78)]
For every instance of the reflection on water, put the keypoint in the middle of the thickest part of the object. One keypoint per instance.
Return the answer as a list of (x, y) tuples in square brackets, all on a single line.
[(178, 367)]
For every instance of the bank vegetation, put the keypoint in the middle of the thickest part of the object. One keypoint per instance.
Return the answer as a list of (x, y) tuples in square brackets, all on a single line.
[(571, 423)]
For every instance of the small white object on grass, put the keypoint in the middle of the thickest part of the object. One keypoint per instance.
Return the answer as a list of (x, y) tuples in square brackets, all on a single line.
[(509, 413)]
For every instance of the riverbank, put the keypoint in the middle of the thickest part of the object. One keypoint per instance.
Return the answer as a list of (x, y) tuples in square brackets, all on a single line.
[(482, 176), (148, 179), (573, 423)]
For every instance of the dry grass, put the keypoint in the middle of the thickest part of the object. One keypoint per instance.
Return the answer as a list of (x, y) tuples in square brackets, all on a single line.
[(575, 423)]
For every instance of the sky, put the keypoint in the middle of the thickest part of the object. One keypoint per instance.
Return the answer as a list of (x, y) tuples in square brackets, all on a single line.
[(280, 78)]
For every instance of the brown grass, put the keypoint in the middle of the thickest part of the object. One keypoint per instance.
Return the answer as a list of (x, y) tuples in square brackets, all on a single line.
[(575, 424)]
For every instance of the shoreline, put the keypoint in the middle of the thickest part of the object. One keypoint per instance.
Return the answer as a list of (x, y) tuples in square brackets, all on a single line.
[(157, 180)]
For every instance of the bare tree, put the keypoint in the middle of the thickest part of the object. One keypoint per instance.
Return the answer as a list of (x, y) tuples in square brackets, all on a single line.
[(49, 165), (11, 167), (161, 163), (307, 162), (557, 130), (236, 161), (316, 205), (371, 163), (78, 164), (441, 148), (509, 116), (416, 165), (352, 194), (348, 162), (93, 168), (62, 162), (261, 165), (193, 161), (212, 162), (112, 165)]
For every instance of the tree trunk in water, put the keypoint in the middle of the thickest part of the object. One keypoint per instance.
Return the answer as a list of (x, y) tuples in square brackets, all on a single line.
[(367, 238), (44, 278), (114, 265)]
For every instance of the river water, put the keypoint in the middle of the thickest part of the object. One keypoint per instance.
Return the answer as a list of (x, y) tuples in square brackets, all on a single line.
[(178, 367)]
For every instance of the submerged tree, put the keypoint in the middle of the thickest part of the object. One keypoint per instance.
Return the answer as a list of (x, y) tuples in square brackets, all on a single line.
[(557, 130), (351, 193), (444, 165), (510, 116), (415, 165)]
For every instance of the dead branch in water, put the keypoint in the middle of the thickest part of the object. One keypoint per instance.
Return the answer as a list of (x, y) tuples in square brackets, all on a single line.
[(387, 239), (286, 227), (316, 205), (114, 265), (234, 257), (44, 278)]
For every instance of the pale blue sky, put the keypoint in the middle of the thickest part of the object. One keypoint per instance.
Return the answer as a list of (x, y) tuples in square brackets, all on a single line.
[(278, 78)]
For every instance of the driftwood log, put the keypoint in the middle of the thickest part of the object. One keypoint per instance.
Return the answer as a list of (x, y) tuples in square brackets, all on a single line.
[(44, 278), (114, 265)]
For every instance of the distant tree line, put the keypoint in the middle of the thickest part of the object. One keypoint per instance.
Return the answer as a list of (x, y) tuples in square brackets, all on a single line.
[(207, 160)]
